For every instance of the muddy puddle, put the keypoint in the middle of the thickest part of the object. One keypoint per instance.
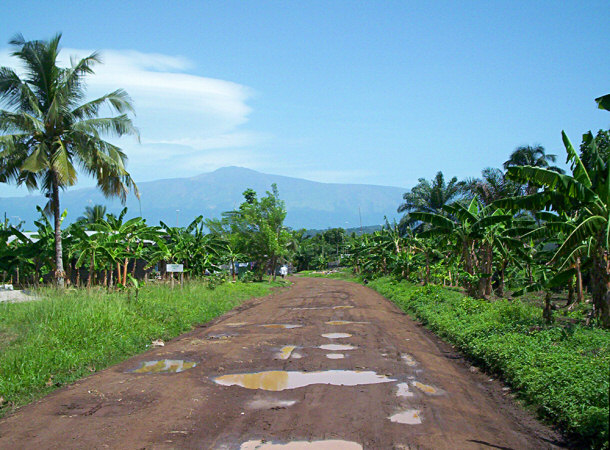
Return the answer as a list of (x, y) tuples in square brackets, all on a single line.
[(332, 444), (335, 355), (427, 389), (164, 366), (409, 417), (279, 380), (403, 390), (270, 404), (336, 335), (236, 324), (337, 347), (341, 322), (285, 352), (409, 360), (281, 325), (343, 307)]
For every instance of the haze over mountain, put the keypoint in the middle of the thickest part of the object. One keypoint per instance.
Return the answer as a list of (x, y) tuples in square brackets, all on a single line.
[(309, 204)]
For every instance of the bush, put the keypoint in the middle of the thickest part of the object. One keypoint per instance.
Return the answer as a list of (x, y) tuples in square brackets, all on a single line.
[(563, 372)]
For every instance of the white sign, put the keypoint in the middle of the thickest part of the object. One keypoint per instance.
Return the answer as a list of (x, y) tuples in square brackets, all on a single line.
[(175, 268)]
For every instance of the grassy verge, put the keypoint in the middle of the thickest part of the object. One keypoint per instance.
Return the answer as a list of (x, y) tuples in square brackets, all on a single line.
[(337, 274), (560, 370), (67, 335)]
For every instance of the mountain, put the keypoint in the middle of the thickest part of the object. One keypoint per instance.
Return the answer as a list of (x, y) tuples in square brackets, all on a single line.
[(309, 204)]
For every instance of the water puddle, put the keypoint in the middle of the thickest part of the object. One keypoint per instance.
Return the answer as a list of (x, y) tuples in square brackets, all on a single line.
[(409, 417), (332, 444), (337, 347), (164, 366), (281, 325), (409, 361), (236, 324), (335, 355), (343, 307), (307, 308), (285, 352), (341, 322), (279, 380), (336, 335), (296, 355), (427, 389), (270, 404), (403, 390), (220, 336)]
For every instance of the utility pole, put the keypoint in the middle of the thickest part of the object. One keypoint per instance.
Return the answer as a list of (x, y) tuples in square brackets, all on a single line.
[(177, 213), (360, 214)]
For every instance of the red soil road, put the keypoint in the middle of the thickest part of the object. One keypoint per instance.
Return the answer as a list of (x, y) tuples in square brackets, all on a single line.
[(118, 409)]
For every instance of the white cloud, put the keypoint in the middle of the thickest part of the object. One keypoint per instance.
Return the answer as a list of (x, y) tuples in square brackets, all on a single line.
[(173, 107)]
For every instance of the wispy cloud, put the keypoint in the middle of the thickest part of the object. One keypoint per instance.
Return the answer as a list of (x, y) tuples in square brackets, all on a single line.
[(193, 115)]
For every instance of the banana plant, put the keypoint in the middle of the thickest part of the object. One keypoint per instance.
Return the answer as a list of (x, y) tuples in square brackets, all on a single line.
[(585, 196)]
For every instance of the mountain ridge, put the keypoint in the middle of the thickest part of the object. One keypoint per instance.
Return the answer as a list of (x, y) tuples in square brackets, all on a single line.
[(309, 204)]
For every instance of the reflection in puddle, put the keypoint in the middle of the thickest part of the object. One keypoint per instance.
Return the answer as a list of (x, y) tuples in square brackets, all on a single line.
[(270, 403), (279, 380), (164, 366), (285, 352), (236, 324), (403, 390), (343, 307), (280, 325), (409, 361), (296, 355), (340, 322), (333, 444), (336, 335), (410, 417), (426, 388), (335, 355), (337, 347)]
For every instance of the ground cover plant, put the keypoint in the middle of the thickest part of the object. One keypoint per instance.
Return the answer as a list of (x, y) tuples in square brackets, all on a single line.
[(560, 369), (69, 334), (336, 274)]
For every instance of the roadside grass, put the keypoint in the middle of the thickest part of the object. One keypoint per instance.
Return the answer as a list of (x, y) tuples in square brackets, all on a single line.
[(68, 334), (336, 274), (561, 370)]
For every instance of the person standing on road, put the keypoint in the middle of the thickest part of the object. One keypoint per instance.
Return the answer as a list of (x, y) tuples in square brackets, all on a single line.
[(284, 271)]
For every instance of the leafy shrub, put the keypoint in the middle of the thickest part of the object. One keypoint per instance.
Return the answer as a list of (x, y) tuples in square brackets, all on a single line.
[(563, 372)]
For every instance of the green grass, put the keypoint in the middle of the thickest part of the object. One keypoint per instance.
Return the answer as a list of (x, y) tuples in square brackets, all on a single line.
[(341, 274), (560, 370), (67, 335)]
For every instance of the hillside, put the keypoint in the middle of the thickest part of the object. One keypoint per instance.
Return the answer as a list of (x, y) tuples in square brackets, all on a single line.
[(309, 204)]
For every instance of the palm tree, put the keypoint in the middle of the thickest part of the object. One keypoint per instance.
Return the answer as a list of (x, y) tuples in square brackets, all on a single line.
[(429, 197), (47, 132), (93, 214), (532, 156)]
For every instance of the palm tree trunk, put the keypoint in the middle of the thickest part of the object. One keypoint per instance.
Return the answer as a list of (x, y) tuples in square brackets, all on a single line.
[(59, 260)]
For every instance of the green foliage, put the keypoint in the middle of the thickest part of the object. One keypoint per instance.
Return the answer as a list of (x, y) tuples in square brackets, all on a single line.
[(67, 335), (562, 370)]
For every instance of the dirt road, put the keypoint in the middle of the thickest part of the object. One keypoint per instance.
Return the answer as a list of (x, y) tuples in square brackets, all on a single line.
[(327, 361)]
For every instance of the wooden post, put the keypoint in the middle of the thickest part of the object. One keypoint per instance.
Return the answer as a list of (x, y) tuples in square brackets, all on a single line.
[(181, 279), (171, 274)]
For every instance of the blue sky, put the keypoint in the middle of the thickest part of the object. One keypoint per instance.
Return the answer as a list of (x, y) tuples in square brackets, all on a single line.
[(377, 92)]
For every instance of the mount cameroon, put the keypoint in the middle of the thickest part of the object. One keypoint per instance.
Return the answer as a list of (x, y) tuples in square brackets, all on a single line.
[(309, 204)]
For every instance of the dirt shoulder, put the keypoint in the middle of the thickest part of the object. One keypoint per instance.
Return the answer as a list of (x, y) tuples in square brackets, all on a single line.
[(418, 380)]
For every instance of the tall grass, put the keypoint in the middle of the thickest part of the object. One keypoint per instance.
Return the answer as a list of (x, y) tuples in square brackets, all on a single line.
[(68, 334)]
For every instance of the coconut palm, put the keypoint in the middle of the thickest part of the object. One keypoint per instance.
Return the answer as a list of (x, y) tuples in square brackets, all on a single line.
[(46, 132), (93, 214), (429, 197), (532, 156)]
